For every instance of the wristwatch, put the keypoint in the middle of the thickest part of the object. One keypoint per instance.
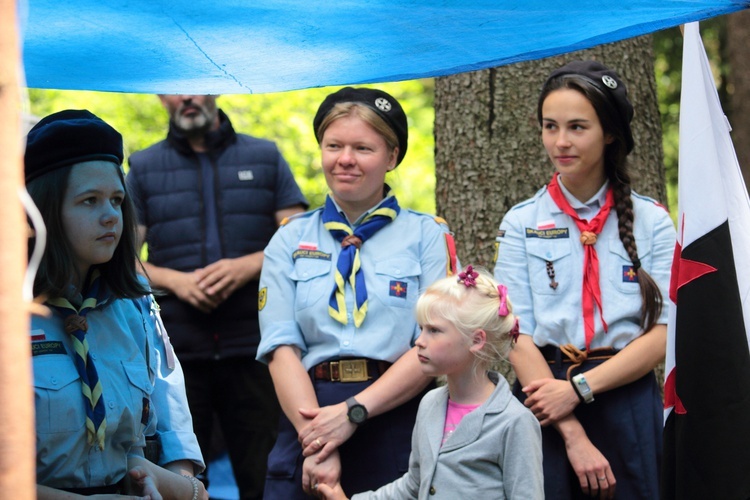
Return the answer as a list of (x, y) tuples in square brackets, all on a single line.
[(357, 413), (582, 388)]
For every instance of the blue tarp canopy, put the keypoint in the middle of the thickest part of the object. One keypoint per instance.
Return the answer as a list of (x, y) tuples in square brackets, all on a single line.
[(258, 46)]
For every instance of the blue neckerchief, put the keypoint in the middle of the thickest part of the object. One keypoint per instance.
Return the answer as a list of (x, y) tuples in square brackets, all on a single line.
[(348, 265), (76, 326)]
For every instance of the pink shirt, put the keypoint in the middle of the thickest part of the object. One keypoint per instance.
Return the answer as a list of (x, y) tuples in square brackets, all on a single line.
[(453, 416)]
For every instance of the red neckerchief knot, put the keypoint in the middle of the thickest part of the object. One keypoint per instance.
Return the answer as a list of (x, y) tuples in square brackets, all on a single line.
[(591, 293)]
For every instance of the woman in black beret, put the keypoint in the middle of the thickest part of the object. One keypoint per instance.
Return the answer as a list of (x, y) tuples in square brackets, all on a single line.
[(101, 366), (337, 293), (587, 263)]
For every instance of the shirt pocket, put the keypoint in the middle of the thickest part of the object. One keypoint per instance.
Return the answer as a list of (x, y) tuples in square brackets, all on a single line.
[(58, 396), (620, 267), (313, 281), (397, 281), (560, 258), (139, 396)]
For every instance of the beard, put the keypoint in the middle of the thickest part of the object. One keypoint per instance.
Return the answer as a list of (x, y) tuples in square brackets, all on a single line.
[(196, 124)]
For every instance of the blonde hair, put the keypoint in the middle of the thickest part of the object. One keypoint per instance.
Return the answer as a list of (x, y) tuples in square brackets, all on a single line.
[(366, 114), (471, 308)]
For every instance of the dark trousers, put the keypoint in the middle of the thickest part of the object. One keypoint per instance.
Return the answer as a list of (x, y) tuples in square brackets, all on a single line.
[(376, 454), (625, 424), (240, 392)]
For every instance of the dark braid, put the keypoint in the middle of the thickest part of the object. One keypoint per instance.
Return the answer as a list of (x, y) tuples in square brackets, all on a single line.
[(651, 299)]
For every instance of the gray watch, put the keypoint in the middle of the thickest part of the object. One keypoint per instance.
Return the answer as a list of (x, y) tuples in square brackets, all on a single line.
[(582, 388), (357, 413)]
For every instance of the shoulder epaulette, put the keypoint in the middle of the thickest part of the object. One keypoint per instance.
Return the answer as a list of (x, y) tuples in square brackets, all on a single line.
[(300, 215)]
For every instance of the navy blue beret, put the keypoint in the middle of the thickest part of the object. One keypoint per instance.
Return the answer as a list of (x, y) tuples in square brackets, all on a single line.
[(609, 83), (385, 105), (68, 137)]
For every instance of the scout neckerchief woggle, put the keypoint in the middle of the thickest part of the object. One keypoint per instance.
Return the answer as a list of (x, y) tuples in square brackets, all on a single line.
[(348, 267), (76, 325), (591, 292)]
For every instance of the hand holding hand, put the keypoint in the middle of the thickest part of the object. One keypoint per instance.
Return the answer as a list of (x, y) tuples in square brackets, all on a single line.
[(550, 399), (315, 473), (328, 428)]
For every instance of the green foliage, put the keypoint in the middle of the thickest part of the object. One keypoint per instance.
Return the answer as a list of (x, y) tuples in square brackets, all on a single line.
[(668, 68), (284, 117)]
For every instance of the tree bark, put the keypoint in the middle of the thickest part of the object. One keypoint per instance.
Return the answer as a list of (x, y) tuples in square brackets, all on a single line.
[(488, 150), (737, 39), (16, 411)]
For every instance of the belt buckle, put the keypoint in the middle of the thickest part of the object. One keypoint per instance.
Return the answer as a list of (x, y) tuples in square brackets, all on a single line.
[(353, 370)]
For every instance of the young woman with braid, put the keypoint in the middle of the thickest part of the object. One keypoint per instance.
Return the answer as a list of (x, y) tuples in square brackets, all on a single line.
[(587, 262)]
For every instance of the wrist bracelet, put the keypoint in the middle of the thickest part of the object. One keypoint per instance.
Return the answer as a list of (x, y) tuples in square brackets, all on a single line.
[(194, 482)]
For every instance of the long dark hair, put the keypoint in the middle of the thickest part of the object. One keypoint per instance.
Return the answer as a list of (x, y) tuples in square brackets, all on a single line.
[(56, 270), (616, 169)]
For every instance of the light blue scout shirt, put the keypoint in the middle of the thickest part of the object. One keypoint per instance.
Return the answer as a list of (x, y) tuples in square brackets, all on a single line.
[(398, 262), (536, 231), (130, 360)]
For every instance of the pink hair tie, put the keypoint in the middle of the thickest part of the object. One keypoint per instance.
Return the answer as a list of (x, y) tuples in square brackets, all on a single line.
[(468, 277), (502, 290), (515, 332)]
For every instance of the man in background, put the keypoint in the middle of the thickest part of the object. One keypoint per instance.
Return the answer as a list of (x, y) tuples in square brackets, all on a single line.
[(208, 202)]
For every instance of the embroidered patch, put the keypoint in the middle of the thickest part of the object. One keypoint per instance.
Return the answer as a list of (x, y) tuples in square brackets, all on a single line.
[(37, 335), (629, 275), (501, 233), (545, 224), (310, 254), (547, 234), (398, 289), (307, 245), (47, 347), (262, 295), (245, 175)]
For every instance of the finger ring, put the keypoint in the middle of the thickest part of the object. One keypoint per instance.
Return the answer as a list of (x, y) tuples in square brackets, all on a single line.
[(317, 441), (602, 478)]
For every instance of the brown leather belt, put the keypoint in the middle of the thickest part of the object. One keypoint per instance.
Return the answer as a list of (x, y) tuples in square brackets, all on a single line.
[(568, 353), (349, 370)]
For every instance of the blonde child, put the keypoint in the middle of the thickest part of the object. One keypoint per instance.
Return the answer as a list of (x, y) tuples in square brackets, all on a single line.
[(471, 435)]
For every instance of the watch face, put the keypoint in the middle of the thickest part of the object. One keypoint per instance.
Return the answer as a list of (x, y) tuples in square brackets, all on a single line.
[(357, 414)]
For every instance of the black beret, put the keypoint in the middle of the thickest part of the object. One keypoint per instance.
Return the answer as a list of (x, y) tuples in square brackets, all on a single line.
[(609, 83), (385, 105), (68, 137)]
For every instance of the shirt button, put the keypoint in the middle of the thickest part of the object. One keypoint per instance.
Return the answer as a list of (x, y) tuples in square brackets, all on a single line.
[(346, 342), (432, 490), (93, 356), (304, 275), (53, 380), (111, 404)]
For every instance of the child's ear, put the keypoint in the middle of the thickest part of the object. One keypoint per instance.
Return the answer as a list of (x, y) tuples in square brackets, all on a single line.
[(478, 339)]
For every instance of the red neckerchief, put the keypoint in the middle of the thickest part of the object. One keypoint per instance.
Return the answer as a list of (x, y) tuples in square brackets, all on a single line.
[(591, 292)]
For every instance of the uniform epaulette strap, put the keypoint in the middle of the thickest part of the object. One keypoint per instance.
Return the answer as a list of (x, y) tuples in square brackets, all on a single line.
[(287, 220)]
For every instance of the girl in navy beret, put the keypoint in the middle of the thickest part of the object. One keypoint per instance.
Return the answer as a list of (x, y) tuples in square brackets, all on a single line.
[(102, 368), (587, 262)]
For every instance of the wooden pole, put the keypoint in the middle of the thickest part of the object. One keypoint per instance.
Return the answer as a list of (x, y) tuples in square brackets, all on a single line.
[(17, 450)]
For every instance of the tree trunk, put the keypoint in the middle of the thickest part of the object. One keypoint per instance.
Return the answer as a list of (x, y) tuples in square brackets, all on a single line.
[(488, 151), (16, 411), (737, 39)]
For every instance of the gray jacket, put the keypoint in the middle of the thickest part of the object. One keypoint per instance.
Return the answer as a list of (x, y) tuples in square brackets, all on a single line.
[(494, 453)]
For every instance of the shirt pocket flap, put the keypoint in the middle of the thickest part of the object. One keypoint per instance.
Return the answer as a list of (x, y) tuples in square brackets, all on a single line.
[(546, 250), (138, 375), (54, 374), (399, 267), (307, 269)]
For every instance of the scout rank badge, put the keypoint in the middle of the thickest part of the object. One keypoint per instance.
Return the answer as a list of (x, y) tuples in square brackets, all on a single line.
[(398, 289), (629, 274)]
